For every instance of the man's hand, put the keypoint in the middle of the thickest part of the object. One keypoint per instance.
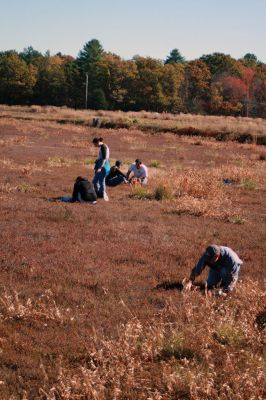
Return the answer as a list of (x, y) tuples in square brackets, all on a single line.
[(99, 170), (187, 285)]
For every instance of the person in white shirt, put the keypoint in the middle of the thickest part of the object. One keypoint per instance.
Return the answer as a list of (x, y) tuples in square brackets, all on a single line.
[(138, 172)]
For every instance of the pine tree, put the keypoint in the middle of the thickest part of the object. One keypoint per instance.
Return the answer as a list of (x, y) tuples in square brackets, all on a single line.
[(175, 57)]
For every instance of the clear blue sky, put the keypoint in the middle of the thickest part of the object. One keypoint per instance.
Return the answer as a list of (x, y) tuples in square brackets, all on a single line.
[(129, 27)]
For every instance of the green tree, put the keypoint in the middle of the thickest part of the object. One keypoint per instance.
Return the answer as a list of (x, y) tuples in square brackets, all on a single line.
[(17, 79), (51, 83), (91, 53), (220, 64), (119, 83), (175, 57), (90, 63), (29, 55), (249, 60), (171, 81), (148, 92), (196, 86)]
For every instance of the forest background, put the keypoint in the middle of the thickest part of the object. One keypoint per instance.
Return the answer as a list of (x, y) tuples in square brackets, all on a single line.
[(214, 84)]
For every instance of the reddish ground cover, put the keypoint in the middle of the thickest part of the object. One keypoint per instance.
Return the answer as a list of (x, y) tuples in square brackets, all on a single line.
[(74, 274)]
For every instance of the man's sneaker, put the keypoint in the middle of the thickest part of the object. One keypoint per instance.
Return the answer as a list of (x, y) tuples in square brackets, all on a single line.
[(105, 196)]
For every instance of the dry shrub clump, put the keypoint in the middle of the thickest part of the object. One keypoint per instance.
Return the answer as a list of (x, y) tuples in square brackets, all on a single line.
[(26, 169), (13, 307), (80, 144), (14, 140), (57, 161), (199, 192), (205, 349), (7, 188)]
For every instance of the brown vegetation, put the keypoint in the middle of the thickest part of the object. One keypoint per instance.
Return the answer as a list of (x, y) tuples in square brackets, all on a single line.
[(243, 130), (91, 305)]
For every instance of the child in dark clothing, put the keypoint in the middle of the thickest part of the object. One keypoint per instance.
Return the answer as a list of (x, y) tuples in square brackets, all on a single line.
[(115, 176)]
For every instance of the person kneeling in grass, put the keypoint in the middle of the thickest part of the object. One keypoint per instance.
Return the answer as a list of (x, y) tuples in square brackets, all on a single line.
[(115, 176), (84, 191), (138, 173), (224, 266)]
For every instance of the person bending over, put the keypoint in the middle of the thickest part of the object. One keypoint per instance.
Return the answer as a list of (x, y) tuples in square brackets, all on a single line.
[(224, 266), (84, 191), (137, 172), (115, 176)]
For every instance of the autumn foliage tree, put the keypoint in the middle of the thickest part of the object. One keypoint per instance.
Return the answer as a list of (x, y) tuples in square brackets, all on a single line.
[(215, 83), (17, 79)]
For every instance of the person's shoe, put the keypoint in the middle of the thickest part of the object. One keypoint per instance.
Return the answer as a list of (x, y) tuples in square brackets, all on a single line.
[(105, 196)]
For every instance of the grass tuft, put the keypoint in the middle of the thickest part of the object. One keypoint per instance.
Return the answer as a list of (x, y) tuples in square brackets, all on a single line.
[(155, 164), (229, 335)]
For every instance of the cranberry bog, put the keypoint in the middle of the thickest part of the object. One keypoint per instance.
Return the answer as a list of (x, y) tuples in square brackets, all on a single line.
[(91, 300)]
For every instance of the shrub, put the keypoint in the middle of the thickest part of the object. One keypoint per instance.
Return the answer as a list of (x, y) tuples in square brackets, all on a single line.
[(248, 184), (141, 193), (60, 161), (236, 219), (155, 164), (89, 161), (25, 188), (229, 335), (175, 347), (162, 192)]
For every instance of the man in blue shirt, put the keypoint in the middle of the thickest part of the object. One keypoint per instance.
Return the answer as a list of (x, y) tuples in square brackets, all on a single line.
[(224, 266)]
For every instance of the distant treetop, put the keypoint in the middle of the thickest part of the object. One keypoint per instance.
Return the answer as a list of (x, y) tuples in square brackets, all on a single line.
[(175, 57)]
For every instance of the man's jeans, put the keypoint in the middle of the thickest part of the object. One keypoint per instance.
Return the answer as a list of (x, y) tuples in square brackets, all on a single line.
[(224, 278)]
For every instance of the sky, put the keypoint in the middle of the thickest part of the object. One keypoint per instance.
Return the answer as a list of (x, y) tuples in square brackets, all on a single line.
[(136, 27)]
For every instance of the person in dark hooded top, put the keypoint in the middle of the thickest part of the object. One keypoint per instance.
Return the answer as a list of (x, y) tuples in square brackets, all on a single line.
[(84, 191)]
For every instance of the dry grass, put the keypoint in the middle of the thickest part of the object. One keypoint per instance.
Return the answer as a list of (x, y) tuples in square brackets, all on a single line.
[(57, 161), (199, 193), (13, 141), (91, 300), (176, 356), (12, 307), (254, 127), (26, 169)]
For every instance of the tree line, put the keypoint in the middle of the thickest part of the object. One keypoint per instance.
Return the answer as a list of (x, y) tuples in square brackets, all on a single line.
[(212, 84)]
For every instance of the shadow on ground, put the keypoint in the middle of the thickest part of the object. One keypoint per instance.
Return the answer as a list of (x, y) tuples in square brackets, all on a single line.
[(178, 285)]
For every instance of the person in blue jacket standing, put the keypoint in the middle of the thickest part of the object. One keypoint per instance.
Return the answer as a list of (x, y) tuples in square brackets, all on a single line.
[(224, 266), (102, 168)]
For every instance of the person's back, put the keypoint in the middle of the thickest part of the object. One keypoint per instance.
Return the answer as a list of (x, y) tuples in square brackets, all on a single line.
[(83, 190), (228, 258), (115, 176)]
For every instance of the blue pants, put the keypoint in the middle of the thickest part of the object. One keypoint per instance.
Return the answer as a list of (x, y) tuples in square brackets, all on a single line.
[(99, 177), (224, 277)]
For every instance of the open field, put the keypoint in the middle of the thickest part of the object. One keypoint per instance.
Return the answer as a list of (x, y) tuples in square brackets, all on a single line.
[(90, 299), (243, 130)]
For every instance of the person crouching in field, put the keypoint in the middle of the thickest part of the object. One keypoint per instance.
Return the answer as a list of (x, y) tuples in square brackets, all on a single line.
[(84, 191), (102, 168), (137, 173), (115, 176), (224, 266)]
